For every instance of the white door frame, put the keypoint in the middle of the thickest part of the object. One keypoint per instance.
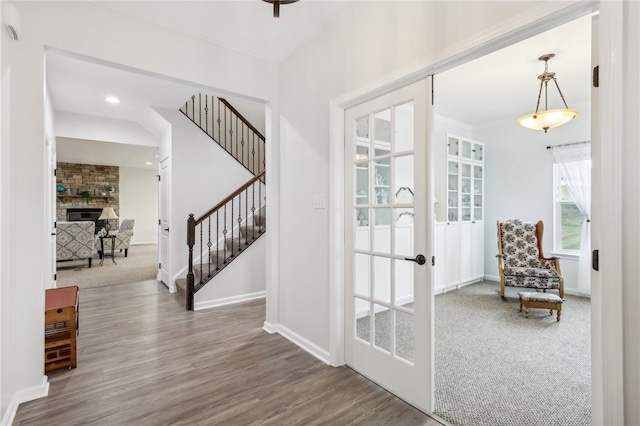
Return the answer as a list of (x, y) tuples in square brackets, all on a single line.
[(607, 372)]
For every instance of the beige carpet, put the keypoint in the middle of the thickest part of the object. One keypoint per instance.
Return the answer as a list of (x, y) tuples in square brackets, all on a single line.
[(141, 264)]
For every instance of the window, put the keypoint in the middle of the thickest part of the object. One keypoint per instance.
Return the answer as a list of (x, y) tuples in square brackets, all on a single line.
[(567, 218)]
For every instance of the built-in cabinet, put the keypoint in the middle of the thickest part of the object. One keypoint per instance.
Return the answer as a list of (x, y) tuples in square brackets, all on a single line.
[(459, 242)]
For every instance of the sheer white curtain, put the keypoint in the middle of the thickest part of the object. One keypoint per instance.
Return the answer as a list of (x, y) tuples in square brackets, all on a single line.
[(574, 163)]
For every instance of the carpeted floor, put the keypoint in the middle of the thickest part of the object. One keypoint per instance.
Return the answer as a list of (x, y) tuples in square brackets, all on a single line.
[(495, 367), (141, 264)]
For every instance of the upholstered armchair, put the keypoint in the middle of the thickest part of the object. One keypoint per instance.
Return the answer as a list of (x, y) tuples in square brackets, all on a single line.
[(75, 240), (521, 262), (123, 237)]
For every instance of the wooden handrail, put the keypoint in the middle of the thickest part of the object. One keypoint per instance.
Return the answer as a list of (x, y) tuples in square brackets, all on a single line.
[(241, 117), (229, 198)]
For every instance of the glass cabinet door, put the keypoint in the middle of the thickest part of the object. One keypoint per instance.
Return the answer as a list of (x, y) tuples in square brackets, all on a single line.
[(477, 192), (452, 191), (453, 146), (465, 192), (465, 149), (478, 152)]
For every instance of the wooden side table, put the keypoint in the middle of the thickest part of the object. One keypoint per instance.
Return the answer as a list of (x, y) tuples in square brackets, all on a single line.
[(60, 328), (113, 243)]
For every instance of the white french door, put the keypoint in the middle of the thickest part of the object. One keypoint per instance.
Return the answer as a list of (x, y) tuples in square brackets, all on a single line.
[(388, 242)]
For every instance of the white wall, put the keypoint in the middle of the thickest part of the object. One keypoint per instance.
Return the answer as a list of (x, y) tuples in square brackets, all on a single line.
[(139, 201), (89, 127), (243, 279), (519, 180), (91, 30), (366, 44)]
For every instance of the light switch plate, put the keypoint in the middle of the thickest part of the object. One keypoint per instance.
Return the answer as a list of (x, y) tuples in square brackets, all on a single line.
[(319, 201)]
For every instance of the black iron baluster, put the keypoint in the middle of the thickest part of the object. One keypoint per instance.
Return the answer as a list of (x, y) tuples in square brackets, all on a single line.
[(217, 240), (219, 141), (193, 108), (200, 110), (253, 211), (246, 219), (224, 234), (253, 154), (242, 145), (209, 246), (232, 227), (225, 128), (206, 114), (240, 222), (200, 253), (236, 138)]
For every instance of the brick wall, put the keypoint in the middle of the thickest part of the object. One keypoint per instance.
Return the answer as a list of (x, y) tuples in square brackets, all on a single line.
[(95, 179)]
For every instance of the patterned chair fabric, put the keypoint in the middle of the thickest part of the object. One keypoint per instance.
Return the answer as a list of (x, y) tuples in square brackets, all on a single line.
[(123, 237), (520, 260), (75, 240)]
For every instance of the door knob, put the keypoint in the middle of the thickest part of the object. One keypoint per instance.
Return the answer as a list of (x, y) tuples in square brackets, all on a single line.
[(419, 259), (166, 229)]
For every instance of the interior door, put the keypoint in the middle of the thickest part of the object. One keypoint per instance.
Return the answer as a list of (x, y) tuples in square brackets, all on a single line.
[(164, 248), (388, 242)]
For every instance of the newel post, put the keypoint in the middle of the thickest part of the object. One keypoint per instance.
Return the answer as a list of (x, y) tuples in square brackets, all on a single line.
[(191, 240)]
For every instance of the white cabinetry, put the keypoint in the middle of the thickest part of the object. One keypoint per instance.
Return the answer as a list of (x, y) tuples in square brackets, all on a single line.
[(459, 242)]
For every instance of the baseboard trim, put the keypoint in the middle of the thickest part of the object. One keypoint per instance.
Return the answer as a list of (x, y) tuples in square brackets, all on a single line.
[(269, 328), (492, 278), (25, 395), (310, 347), (229, 300)]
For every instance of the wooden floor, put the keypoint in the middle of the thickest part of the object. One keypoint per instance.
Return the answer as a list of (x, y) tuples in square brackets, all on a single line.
[(144, 360)]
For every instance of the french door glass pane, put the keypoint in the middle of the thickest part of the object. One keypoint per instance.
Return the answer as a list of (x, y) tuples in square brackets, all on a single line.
[(382, 327), (362, 183), (403, 179), (363, 141), (362, 272), (382, 278), (405, 335), (363, 234), (382, 182), (382, 132), (403, 227), (404, 127), (363, 319), (403, 273)]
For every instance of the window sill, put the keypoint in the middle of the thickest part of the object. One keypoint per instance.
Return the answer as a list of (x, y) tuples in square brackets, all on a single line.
[(566, 256)]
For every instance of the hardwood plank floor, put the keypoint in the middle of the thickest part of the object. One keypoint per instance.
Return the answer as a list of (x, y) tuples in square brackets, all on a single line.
[(144, 360)]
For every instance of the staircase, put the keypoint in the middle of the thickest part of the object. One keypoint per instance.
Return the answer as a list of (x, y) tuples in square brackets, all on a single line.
[(217, 237)]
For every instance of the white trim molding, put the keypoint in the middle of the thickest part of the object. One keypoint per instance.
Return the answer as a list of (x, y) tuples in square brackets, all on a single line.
[(298, 340), (213, 303), (25, 395)]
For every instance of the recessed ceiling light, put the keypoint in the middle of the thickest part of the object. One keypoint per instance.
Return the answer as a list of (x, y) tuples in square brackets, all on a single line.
[(148, 163), (112, 100)]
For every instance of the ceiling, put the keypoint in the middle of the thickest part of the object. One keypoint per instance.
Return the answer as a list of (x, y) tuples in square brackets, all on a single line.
[(495, 87)]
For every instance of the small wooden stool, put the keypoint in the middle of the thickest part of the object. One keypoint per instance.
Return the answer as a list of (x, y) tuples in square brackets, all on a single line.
[(540, 300)]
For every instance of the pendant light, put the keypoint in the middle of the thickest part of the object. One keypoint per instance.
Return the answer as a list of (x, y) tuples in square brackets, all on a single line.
[(276, 5), (547, 119)]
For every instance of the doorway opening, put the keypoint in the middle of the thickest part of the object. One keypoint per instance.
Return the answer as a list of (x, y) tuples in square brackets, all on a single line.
[(483, 345)]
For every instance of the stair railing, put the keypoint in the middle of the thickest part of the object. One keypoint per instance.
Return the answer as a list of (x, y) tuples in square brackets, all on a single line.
[(229, 129), (223, 232)]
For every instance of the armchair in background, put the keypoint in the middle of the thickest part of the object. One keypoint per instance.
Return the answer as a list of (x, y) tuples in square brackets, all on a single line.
[(75, 240), (521, 262)]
